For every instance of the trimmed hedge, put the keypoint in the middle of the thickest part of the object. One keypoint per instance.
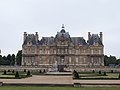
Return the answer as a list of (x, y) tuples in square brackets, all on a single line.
[(17, 74), (75, 75), (28, 73), (4, 72)]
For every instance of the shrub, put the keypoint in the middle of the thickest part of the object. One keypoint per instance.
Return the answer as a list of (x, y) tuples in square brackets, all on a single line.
[(8, 70), (40, 71), (44, 71), (13, 71), (75, 75), (119, 76), (24, 70), (5, 72), (104, 73), (17, 74), (99, 72), (93, 71), (111, 71), (28, 73)]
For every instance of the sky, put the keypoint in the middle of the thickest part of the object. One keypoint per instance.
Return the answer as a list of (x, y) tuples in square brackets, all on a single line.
[(47, 16)]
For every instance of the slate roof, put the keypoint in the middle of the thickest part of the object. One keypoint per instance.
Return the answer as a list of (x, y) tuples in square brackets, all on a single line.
[(30, 38), (63, 35), (94, 39)]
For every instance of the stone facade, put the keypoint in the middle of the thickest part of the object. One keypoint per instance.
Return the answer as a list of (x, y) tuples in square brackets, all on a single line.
[(63, 50)]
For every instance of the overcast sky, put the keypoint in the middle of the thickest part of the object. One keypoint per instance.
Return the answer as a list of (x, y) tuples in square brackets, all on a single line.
[(47, 16)]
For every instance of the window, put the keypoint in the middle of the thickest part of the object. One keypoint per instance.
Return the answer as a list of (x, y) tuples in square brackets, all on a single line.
[(70, 51), (92, 51), (33, 50), (99, 52), (54, 51), (40, 51), (76, 59), (48, 60), (83, 51), (40, 60), (91, 60), (32, 60), (62, 51), (48, 51), (84, 60), (99, 60), (76, 51), (24, 61), (70, 60)]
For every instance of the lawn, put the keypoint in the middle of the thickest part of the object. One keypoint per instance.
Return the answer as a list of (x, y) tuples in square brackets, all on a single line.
[(97, 75), (55, 88), (11, 75)]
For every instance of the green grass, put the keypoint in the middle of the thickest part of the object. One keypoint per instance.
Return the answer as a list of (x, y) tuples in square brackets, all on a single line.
[(54, 88), (96, 75), (11, 75)]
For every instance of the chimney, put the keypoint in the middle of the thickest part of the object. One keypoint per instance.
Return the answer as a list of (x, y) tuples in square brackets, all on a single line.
[(101, 36), (36, 36), (25, 36), (89, 35)]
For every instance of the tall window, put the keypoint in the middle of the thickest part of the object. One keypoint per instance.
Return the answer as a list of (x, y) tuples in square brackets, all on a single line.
[(40, 51), (70, 51), (54, 51), (48, 60), (91, 60), (33, 50), (24, 61), (62, 51), (84, 60), (83, 51), (76, 59), (40, 60), (99, 60), (76, 51), (91, 51), (48, 52), (70, 59), (32, 60), (99, 51)]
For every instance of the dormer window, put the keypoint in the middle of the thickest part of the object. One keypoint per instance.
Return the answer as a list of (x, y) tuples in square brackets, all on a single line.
[(29, 43)]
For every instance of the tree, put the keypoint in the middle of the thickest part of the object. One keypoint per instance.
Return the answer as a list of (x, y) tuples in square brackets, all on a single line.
[(19, 57), (109, 60), (13, 59), (2, 61), (9, 59), (118, 62), (106, 60)]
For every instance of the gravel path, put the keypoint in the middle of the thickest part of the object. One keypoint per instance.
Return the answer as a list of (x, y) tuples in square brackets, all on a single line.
[(48, 79), (35, 79)]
